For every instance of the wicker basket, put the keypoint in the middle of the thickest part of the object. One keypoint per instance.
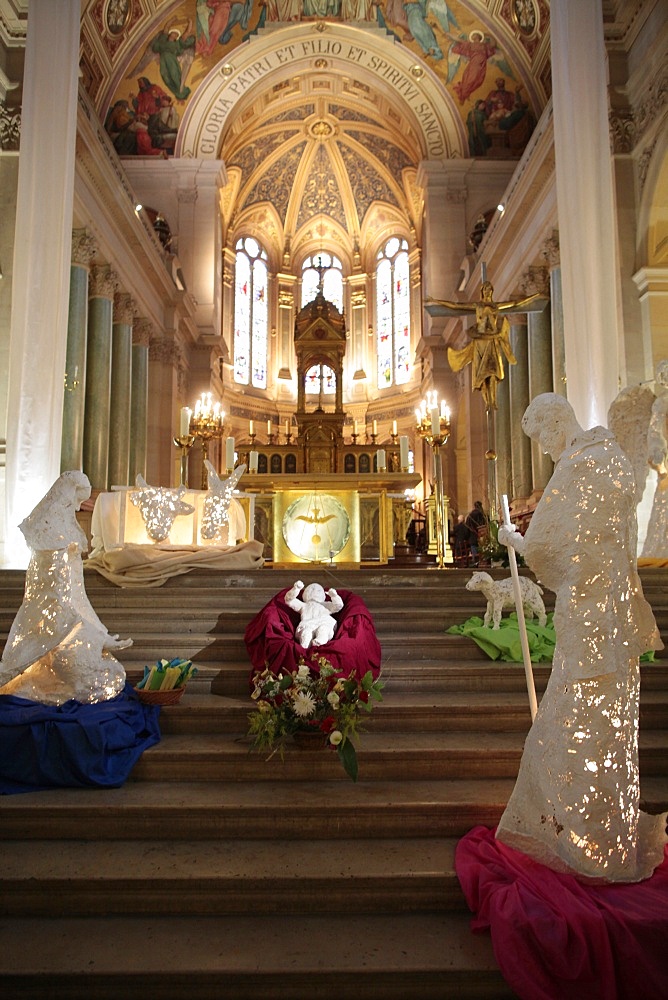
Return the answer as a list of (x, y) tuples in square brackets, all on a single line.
[(172, 697)]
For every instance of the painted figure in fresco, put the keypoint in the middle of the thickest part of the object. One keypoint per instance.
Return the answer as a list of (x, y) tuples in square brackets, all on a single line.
[(499, 97), (575, 805), (420, 29), (176, 53), (163, 125), (218, 14), (239, 14), (148, 97), (119, 127), (477, 50), (490, 340), (476, 120)]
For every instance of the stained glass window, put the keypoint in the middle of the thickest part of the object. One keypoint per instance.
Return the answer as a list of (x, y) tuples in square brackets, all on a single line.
[(317, 376), (393, 312), (332, 279), (250, 314)]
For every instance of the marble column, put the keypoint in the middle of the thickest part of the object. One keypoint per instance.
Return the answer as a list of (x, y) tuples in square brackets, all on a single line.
[(74, 399), (586, 209), (540, 380), (518, 377), (141, 338), (503, 434), (41, 263), (98, 376), (550, 253), (121, 384)]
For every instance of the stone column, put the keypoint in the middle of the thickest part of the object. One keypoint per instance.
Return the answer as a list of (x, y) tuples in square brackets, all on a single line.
[(163, 460), (518, 376), (121, 384), (503, 434), (586, 209), (98, 376), (537, 280), (41, 263), (74, 399), (141, 338), (550, 253)]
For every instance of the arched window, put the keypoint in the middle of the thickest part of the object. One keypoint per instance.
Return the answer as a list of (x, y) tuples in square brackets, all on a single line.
[(393, 313), (331, 269), (250, 314)]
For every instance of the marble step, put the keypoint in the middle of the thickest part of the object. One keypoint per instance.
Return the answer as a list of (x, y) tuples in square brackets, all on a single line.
[(418, 711), (280, 956), (261, 810), (404, 756), (129, 877)]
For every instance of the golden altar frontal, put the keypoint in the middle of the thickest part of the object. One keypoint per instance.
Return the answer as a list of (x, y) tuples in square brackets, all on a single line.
[(332, 518)]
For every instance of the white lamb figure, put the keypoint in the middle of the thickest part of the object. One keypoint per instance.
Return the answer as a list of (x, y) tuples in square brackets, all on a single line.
[(500, 595), (317, 625)]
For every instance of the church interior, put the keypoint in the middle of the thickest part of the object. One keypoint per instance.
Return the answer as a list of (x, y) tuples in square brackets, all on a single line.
[(257, 234)]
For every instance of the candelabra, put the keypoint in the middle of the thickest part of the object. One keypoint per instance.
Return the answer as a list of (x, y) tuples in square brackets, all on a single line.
[(354, 438), (433, 426), (185, 443), (206, 423)]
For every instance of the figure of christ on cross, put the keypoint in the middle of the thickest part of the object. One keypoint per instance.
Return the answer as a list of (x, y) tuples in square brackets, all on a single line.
[(490, 338)]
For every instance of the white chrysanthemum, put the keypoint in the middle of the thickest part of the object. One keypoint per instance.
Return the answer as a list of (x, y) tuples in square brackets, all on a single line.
[(333, 699), (303, 673), (336, 737), (304, 703)]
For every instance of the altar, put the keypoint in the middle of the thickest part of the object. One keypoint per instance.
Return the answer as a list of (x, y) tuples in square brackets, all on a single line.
[(334, 518)]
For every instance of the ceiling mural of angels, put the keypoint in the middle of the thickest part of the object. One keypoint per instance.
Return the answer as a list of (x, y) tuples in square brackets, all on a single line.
[(459, 42)]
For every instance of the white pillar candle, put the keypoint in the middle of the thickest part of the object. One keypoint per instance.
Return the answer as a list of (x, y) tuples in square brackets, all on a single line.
[(394, 428), (354, 427), (229, 453), (380, 460), (186, 414), (375, 427), (287, 427), (435, 421), (252, 462), (268, 426), (403, 451), (250, 427)]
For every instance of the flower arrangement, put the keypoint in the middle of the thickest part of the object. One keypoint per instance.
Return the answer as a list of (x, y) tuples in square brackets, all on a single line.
[(322, 700)]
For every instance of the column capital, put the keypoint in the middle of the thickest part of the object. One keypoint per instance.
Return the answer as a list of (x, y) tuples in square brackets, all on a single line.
[(123, 308), (103, 282), (535, 280), (84, 248), (164, 351), (550, 250), (142, 331)]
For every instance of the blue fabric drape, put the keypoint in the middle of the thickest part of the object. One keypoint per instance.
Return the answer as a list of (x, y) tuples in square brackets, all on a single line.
[(73, 745)]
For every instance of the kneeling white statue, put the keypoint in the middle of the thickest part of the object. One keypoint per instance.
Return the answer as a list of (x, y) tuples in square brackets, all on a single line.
[(317, 626), (58, 649)]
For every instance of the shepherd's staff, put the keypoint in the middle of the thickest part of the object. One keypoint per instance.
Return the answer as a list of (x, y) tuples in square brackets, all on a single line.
[(524, 640)]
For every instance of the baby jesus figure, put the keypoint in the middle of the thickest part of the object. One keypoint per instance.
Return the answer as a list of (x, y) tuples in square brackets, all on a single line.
[(317, 626)]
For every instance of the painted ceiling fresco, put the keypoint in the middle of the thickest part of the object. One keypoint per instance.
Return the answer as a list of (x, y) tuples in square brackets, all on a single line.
[(158, 57), (318, 155)]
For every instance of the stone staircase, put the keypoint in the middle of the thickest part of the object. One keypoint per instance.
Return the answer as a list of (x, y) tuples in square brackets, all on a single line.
[(215, 873)]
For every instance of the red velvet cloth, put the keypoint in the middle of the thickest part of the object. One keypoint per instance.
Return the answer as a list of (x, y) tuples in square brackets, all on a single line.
[(556, 938), (270, 638)]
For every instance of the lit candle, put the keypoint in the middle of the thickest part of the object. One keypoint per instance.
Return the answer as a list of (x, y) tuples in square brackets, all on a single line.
[(250, 427), (354, 427), (394, 428), (287, 427), (252, 462), (229, 453), (380, 460), (186, 414), (375, 427), (403, 451), (268, 426)]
